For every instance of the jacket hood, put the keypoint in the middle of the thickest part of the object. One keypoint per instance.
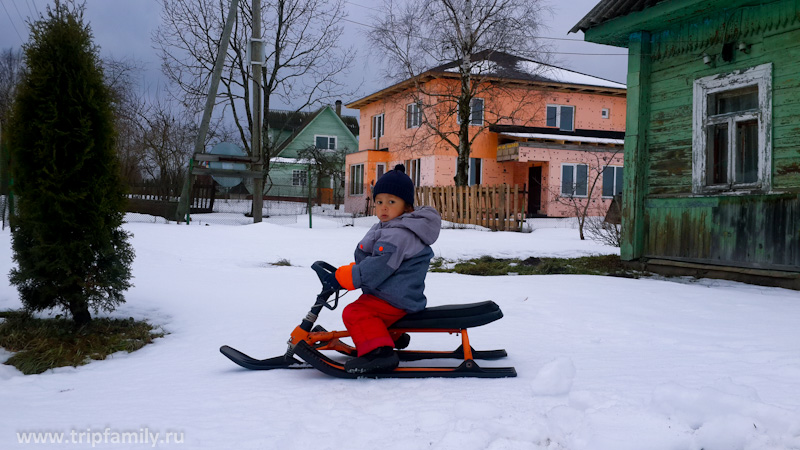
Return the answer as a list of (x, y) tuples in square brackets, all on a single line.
[(425, 222)]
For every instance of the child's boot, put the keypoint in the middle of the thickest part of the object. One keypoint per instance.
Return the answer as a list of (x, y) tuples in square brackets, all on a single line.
[(402, 341), (382, 358)]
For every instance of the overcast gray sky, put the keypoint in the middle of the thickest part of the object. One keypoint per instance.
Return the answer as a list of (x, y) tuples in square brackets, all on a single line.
[(122, 29)]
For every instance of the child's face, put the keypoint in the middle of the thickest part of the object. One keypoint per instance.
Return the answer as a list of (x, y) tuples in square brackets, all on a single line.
[(388, 206)]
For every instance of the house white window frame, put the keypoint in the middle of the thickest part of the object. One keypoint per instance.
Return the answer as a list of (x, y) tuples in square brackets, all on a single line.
[(414, 170), (574, 167), (356, 179), (558, 116), (380, 169), (615, 188), (299, 177), (760, 76), (377, 126), (605, 113), (414, 115), (330, 138)]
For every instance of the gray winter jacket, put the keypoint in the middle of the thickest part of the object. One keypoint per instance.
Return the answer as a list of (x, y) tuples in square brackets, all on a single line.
[(393, 258)]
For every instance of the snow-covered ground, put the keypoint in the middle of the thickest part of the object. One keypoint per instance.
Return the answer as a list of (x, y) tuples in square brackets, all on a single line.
[(603, 363)]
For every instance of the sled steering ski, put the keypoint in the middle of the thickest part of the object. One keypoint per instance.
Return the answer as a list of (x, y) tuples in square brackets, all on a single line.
[(308, 341)]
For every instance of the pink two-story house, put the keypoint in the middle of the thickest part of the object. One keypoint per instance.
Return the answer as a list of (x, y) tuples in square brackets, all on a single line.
[(557, 132)]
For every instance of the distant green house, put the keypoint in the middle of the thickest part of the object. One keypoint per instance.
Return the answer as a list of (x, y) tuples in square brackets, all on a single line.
[(299, 136), (712, 143)]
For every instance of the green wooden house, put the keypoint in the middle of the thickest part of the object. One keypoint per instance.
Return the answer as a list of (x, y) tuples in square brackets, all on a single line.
[(712, 144), (325, 132)]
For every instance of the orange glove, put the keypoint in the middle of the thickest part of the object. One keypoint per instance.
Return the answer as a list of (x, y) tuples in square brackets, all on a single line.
[(344, 275)]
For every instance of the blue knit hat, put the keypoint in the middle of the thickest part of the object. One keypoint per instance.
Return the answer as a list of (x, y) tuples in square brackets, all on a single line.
[(396, 182)]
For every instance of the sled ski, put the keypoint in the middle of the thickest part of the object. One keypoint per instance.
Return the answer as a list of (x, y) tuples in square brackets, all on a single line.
[(468, 368), (308, 341), (278, 362)]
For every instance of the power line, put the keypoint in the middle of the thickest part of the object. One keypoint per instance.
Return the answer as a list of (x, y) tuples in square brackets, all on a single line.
[(380, 10), (364, 6), (12, 22), (537, 37), (18, 13)]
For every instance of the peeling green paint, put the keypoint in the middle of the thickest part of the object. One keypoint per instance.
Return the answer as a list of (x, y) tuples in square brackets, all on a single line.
[(662, 218)]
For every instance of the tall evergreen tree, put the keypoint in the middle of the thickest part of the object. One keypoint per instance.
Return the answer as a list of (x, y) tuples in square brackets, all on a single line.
[(69, 245)]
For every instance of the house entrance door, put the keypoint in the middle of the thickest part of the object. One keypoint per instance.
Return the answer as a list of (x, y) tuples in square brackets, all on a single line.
[(534, 191)]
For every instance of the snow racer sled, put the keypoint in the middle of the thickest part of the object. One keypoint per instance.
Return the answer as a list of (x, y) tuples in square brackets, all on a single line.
[(308, 341)]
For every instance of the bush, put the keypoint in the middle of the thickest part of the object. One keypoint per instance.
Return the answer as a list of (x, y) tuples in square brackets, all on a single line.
[(586, 265)]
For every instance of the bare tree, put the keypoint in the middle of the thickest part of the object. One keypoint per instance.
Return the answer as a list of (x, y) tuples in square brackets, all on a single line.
[(326, 164), (11, 67), (416, 35), (606, 229), (128, 104), (166, 135), (303, 59)]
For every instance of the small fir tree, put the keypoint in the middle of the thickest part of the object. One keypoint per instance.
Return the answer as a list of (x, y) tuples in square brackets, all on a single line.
[(68, 242)]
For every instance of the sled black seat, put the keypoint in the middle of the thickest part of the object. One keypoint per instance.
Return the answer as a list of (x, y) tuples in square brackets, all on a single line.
[(452, 316)]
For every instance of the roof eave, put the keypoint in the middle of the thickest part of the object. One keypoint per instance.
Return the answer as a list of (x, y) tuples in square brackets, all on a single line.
[(427, 76), (616, 30)]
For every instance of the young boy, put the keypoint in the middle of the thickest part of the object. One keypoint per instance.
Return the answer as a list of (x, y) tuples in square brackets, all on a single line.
[(391, 263)]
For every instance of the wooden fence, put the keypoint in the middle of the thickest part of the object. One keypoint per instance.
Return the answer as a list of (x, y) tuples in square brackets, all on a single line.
[(163, 202), (500, 207)]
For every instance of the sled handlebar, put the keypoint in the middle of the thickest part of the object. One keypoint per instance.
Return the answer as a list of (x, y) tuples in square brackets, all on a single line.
[(323, 270)]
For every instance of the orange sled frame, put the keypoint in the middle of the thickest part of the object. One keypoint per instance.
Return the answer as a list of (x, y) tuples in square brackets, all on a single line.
[(308, 341)]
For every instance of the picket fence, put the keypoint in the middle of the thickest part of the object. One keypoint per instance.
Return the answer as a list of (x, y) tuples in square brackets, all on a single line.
[(500, 207)]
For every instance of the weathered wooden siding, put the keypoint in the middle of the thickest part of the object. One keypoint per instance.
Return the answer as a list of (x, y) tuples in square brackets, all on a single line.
[(747, 231), (740, 230)]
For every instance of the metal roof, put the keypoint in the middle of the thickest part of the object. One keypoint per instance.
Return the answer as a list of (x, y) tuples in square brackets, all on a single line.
[(504, 66), (611, 9)]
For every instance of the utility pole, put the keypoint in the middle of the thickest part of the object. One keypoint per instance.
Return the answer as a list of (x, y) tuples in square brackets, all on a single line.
[(256, 132), (200, 141)]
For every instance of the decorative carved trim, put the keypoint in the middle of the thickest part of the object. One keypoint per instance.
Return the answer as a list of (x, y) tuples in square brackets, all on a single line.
[(734, 25)]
